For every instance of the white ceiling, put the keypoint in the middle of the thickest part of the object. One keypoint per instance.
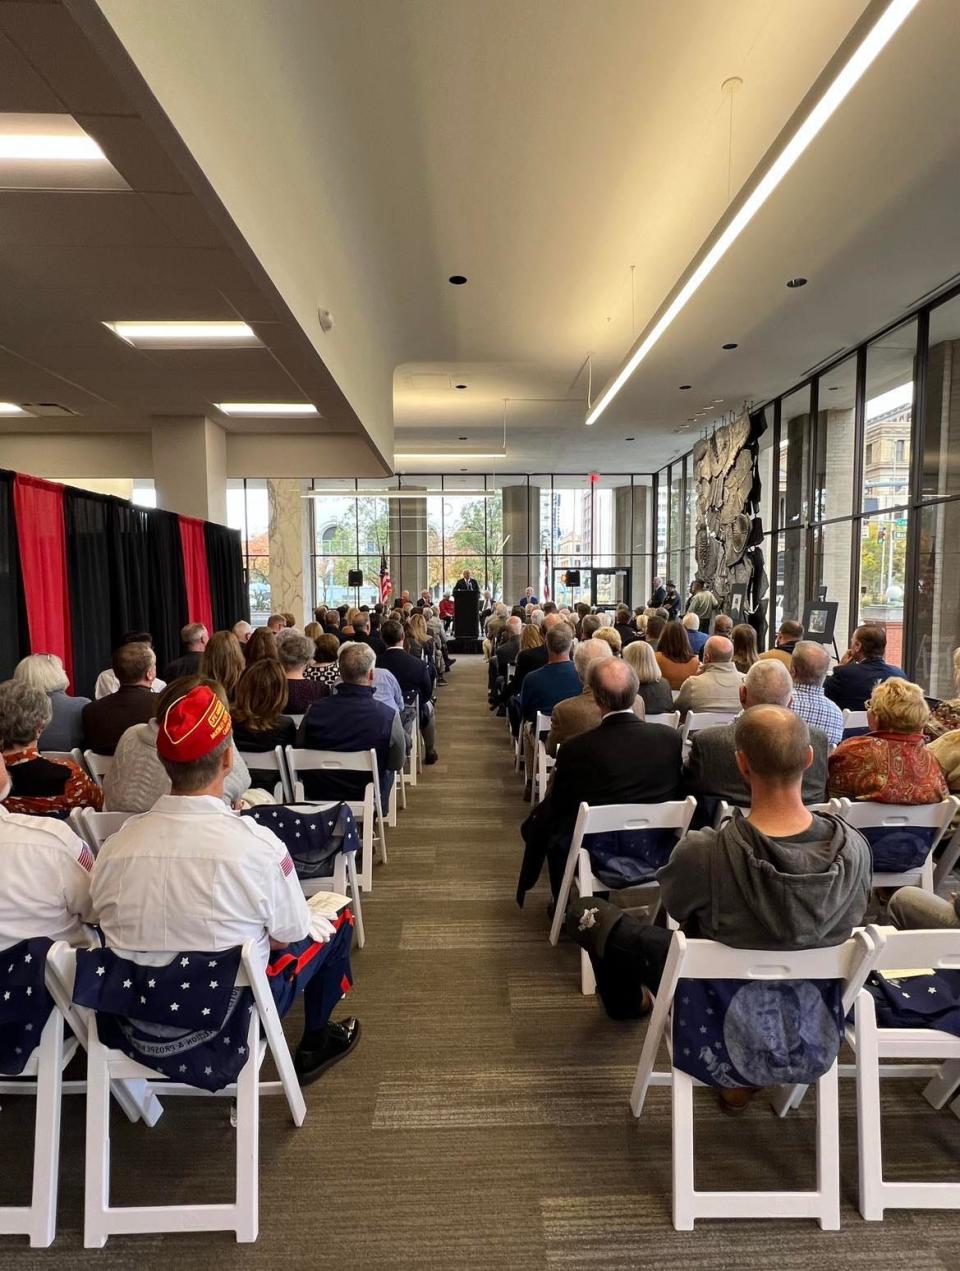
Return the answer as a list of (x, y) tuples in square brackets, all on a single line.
[(368, 150)]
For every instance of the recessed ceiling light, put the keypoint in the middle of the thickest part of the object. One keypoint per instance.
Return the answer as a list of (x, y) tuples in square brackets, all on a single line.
[(629, 439), (833, 388), (684, 387), (459, 386), (461, 439), (718, 401), (185, 335), (279, 410), (73, 147), (731, 346), (457, 280), (887, 23), (11, 408), (797, 282), (463, 469)]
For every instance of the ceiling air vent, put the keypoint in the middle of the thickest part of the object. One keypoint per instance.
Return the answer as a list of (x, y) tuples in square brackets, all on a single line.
[(48, 408)]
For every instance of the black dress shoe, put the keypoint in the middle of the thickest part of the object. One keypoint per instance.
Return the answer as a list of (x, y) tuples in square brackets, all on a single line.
[(432, 757), (339, 1040), (451, 663)]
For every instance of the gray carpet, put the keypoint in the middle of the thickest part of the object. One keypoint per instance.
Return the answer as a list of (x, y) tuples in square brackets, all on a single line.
[(483, 1122)]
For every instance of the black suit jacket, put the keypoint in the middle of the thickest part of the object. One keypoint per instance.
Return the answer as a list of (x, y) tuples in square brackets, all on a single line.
[(371, 638), (626, 633), (105, 721), (464, 584), (411, 674), (528, 660), (507, 653)]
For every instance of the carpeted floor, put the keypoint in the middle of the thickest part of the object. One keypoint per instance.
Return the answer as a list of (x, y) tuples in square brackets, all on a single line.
[(483, 1123)]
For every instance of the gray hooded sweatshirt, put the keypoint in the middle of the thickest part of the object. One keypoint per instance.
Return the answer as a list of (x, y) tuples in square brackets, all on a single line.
[(748, 890)]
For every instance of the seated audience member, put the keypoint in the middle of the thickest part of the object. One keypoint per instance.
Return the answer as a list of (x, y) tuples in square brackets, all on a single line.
[(193, 637), (788, 635), (653, 691), (624, 627), (946, 751), (861, 669), (45, 879), (45, 671), (363, 635), (353, 720), (438, 635), (107, 681), (38, 786), (136, 779), (655, 626), (779, 878), (809, 668), (945, 716), (243, 631), (702, 602), (288, 619), (676, 660), (590, 624), (717, 687), (257, 713), (576, 715), (723, 625), (554, 681), (696, 638), (276, 623), (890, 764), (528, 660), (672, 601), (418, 641), (191, 875), (744, 646), (324, 666), (912, 908), (600, 767), (610, 635), (295, 653), (263, 644), (414, 679), (223, 661), (640, 624), (386, 690), (445, 609), (504, 655), (105, 721), (712, 770)]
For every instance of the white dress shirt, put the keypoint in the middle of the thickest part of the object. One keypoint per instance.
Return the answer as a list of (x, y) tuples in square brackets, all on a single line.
[(107, 683), (44, 880), (191, 875)]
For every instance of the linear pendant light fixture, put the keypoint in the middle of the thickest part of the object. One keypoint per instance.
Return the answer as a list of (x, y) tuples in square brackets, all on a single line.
[(449, 455), (879, 35)]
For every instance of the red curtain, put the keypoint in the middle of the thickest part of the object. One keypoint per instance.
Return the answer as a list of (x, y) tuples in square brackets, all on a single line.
[(43, 565), (196, 572)]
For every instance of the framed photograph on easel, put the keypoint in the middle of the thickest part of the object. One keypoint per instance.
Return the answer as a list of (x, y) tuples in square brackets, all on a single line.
[(737, 601)]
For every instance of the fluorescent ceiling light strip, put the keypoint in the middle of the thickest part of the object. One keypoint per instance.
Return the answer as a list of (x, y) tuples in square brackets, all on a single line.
[(306, 409), (11, 408), (69, 148), (880, 34), (449, 455), (201, 332), (395, 494)]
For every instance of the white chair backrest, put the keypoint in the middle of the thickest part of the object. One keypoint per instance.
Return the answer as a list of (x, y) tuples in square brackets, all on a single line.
[(936, 816), (675, 815), (542, 724), (938, 949), (725, 810), (76, 754), (297, 719), (854, 719), (698, 720), (670, 719), (97, 765), (96, 827), (271, 761)]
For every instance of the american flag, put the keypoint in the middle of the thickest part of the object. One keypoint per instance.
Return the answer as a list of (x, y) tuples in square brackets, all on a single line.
[(386, 585), (546, 575)]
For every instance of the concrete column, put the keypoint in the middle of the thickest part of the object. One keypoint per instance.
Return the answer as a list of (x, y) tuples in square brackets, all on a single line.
[(837, 465), (190, 466), (289, 549), (522, 562), (408, 545), (630, 543), (795, 515)]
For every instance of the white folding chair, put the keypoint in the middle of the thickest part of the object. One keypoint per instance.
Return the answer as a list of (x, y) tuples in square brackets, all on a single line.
[(96, 827), (272, 761), (675, 815), (937, 950), (541, 730), (342, 879), (670, 719), (698, 720), (76, 754), (367, 811), (97, 765), (852, 722), (297, 719), (707, 960), (725, 810), (934, 818), (101, 1219), (545, 765)]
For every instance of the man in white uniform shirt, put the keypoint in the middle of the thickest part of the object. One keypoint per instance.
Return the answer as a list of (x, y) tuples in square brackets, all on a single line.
[(192, 875), (44, 878)]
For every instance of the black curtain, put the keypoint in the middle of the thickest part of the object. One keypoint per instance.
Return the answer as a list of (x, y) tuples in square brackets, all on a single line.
[(228, 591), (89, 572), (166, 588), (128, 548), (14, 636)]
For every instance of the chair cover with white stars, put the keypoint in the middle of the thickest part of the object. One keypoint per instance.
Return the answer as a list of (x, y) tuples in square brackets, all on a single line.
[(918, 1001), (313, 838), (188, 1020), (623, 858), (899, 848), (25, 1004), (757, 1032)]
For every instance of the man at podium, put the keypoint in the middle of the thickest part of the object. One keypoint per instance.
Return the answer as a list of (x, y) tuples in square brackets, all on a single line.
[(466, 583), (466, 612)]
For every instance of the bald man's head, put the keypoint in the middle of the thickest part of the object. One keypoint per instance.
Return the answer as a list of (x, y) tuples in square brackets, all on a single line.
[(811, 662), (550, 620), (768, 682), (773, 744), (615, 684), (722, 624), (718, 649)]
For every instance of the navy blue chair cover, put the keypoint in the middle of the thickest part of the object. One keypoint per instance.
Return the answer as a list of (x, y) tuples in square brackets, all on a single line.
[(25, 1004)]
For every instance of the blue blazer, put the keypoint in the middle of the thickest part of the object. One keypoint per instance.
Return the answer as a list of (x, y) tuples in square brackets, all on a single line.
[(352, 719), (850, 686)]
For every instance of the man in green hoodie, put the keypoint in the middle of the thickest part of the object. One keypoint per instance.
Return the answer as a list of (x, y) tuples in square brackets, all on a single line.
[(780, 877)]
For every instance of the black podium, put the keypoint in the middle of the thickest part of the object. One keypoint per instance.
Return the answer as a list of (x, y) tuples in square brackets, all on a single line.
[(466, 621)]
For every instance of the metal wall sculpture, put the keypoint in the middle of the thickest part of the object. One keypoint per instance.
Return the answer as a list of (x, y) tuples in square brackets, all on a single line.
[(729, 531)]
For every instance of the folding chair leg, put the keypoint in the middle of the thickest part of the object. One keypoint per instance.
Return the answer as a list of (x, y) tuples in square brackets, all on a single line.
[(683, 1206), (941, 1088), (46, 1145), (828, 1149), (248, 1145), (588, 981), (869, 1143), (355, 898), (403, 790), (392, 804), (96, 1190)]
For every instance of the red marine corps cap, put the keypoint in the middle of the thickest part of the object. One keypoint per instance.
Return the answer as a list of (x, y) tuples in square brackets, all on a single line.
[(194, 725)]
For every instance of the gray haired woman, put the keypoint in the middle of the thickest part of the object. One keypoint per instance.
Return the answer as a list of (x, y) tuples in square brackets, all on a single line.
[(45, 672), (39, 786), (295, 652)]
